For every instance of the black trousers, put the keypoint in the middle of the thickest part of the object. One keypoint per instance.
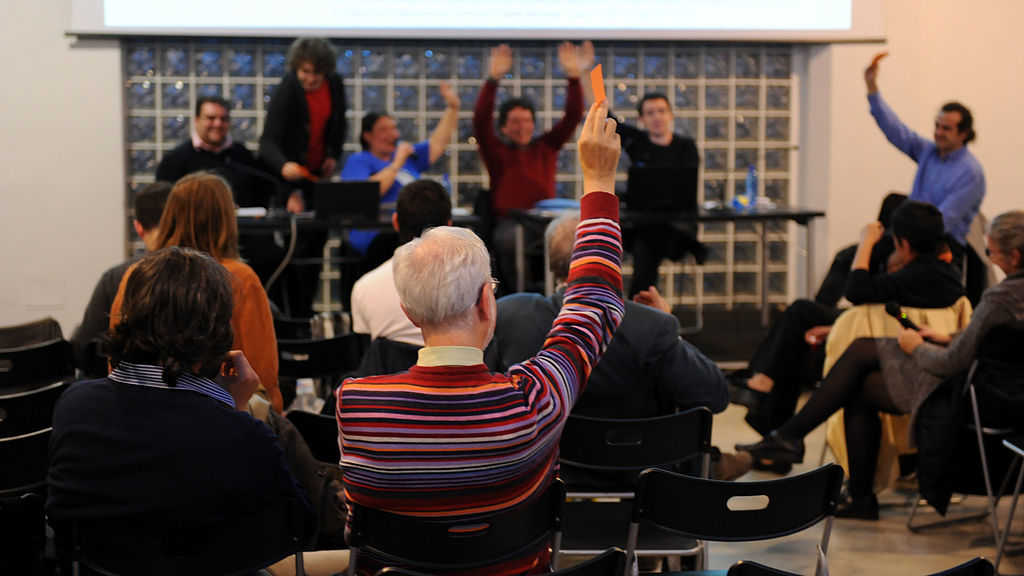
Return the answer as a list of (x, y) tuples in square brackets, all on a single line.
[(855, 385), (786, 358)]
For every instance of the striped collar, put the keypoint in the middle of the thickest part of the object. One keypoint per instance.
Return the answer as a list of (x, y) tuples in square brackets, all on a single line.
[(151, 376)]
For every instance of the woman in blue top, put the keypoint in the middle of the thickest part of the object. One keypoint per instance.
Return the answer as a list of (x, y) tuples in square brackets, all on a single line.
[(393, 162)]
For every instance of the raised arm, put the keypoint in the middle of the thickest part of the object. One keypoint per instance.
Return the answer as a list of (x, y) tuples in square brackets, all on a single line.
[(483, 112), (899, 135), (441, 137), (592, 308), (573, 60)]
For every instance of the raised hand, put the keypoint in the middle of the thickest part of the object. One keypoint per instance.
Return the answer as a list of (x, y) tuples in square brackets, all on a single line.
[(585, 56), (568, 58), (598, 149), (451, 97), (402, 152), (871, 72), (501, 61), (872, 233)]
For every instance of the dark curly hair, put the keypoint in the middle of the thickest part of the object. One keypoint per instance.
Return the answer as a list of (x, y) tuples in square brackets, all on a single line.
[(176, 314), (316, 51)]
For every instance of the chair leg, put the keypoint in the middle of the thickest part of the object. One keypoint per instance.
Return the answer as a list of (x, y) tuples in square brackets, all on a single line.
[(300, 569), (353, 554), (993, 501), (1009, 520)]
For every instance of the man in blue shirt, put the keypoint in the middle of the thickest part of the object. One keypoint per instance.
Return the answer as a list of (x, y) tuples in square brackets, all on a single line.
[(948, 175)]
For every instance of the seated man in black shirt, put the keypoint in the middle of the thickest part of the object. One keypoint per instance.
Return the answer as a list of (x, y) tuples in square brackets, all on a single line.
[(658, 147), (158, 463)]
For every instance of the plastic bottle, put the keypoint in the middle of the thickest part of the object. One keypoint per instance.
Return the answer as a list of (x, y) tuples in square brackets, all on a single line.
[(751, 187)]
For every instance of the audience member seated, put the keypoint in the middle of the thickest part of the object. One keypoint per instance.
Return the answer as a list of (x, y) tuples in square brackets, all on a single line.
[(376, 309), (394, 163), (522, 166), (149, 205), (449, 413), (212, 149), (873, 375), (161, 451), (658, 147), (648, 370), (200, 215)]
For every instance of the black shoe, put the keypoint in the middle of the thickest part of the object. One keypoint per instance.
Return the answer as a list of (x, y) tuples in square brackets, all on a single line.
[(740, 393), (775, 448), (865, 508)]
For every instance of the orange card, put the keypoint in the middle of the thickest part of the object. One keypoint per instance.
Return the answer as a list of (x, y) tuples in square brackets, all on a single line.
[(308, 175), (878, 57), (597, 84)]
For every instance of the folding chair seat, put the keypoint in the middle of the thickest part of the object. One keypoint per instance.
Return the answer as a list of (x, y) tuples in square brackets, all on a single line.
[(737, 511)]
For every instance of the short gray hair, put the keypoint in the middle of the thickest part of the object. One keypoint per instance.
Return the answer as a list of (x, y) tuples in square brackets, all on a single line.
[(560, 236), (439, 275), (1007, 231)]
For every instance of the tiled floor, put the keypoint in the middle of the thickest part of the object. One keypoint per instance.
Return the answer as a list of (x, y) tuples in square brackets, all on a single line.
[(859, 547)]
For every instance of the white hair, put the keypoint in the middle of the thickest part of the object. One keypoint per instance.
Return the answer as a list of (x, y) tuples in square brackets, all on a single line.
[(439, 275), (1007, 231)]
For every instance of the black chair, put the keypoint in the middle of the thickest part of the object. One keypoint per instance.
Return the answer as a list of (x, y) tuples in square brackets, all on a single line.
[(600, 461), (995, 385), (23, 525), (320, 433), (35, 332), (40, 363), (25, 409), (1016, 446), (286, 328), (449, 545), (977, 567), (748, 568), (611, 562), (736, 511), (387, 357), (320, 358), (29, 452)]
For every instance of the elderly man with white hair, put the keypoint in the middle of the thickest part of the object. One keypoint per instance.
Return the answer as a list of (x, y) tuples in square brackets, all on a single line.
[(449, 438)]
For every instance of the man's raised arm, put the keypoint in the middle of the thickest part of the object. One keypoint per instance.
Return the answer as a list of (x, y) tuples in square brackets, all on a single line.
[(899, 135)]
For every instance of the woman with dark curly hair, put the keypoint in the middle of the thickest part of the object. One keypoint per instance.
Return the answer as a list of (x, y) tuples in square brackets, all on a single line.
[(161, 451), (201, 215)]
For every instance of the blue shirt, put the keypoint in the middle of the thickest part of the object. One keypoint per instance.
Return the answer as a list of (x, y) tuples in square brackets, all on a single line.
[(153, 376), (954, 184), (362, 165)]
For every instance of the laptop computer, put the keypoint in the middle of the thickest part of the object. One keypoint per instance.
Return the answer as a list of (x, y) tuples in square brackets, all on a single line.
[(662, 189), (350, 202)]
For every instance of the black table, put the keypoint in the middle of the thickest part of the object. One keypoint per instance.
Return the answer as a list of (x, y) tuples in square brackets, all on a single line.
[(802, 216)]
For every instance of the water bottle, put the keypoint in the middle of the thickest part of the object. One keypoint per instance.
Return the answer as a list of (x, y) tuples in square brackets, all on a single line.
[(305, 396), (751, 188)]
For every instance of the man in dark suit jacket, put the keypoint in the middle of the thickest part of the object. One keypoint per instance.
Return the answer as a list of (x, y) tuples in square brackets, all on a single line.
[(648, 370)]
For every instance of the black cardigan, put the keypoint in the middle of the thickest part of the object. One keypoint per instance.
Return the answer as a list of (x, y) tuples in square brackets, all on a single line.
[(286, 127)]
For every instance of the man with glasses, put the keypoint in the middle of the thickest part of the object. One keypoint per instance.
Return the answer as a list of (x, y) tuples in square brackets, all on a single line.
[(449, 438)]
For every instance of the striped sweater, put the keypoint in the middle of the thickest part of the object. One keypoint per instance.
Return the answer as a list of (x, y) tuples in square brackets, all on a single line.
[(458, 441)]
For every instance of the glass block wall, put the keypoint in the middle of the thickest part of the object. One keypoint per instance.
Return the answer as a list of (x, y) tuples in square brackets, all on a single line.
[(735, 100)]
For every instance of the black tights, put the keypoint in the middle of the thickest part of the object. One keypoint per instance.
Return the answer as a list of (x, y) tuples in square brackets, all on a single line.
[(855, 385)]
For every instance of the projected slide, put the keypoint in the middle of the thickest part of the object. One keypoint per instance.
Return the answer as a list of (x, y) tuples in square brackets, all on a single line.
[(771, 20)]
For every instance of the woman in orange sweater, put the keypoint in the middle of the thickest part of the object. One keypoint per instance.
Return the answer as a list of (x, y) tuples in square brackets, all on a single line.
[(200, 214)]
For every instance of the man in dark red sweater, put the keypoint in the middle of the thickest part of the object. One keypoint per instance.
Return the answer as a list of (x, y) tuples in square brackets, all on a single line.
[(521, 166)]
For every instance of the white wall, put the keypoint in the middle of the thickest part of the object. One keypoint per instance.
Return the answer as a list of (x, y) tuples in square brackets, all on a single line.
[(62, 187), (939, 50)]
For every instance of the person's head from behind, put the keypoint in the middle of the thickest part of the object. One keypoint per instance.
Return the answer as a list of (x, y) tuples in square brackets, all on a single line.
[(516, 120), (212, 121), (200, 214), (917, 230), (560, 236), (890, 203), (176, 314), (1004, 242), (656, 114), (378, 134), (148, 208), (444, 282), (421, 205), (311, 59), (954, 127)]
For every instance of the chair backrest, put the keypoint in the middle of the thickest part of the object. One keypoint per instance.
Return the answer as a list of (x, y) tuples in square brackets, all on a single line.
[(320, 433), (611, 562), (293, 328), (737, 511), (635, 443), (44, 362), (29, 453), (387, 357), (318, 358), (441, 544), (976, 567), (1002, 344), (35, 332), (25, 409)]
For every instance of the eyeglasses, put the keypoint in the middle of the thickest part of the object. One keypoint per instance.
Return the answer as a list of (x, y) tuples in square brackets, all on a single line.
[(494, 284)]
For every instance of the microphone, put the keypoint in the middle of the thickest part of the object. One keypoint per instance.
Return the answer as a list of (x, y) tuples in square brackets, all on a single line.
[(892, 308)]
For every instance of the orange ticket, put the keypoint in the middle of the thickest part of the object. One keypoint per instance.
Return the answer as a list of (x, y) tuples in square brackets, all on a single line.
[(597, 84), (307, 174), (878, 57)]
